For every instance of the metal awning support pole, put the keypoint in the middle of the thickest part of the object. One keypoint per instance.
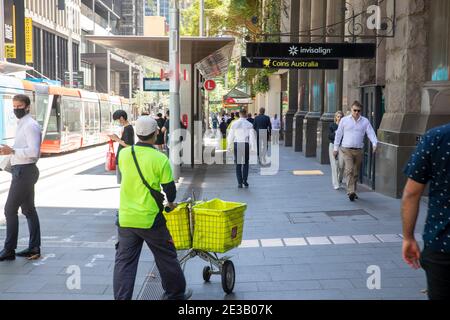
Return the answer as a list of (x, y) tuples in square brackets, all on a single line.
[(174, 64)]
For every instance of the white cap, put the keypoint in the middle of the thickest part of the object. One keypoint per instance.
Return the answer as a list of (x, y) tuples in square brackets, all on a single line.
[(145, 126)]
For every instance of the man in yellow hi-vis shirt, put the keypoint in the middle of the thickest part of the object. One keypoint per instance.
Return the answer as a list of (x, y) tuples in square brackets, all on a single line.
[(144, 170)]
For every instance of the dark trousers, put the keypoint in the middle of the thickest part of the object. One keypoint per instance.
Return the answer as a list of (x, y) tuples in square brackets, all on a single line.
[(437, 269), (128, 251), (21, 195), (242, 160)]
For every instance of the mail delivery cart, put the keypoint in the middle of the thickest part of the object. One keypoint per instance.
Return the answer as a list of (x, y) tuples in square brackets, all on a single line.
[(206, 228)]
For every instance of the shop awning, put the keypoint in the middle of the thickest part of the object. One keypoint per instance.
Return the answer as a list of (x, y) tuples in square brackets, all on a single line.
[(211, 54)]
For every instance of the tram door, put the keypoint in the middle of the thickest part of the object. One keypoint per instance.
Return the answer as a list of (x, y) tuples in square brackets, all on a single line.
[(372, 98)]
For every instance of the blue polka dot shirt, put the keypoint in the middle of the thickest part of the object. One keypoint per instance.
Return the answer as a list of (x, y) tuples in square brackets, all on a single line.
[(430, 163)]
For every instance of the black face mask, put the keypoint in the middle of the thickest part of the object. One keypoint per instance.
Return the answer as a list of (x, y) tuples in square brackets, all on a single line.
[(20, 113)]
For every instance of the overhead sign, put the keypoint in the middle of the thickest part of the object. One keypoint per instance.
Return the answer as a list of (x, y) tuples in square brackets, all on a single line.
[(10, 29), (273, 63), (209, 85), (28, 40), (311, 50), (238, 101), (155, 84)]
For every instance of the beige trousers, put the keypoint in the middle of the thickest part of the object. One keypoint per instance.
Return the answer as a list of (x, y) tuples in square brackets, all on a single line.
[(337, 167), (352, 161)]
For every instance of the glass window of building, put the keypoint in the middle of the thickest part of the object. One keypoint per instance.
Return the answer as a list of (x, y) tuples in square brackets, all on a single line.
[(440, 40)]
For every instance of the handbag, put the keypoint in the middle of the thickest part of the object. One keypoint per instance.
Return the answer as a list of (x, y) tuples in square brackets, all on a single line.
[(5, 164), (110, 164), (158, 196)]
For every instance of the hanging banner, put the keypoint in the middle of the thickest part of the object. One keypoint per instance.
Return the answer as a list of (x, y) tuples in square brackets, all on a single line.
[(311, 50), (28, 40), (270, 63), (10, 29)]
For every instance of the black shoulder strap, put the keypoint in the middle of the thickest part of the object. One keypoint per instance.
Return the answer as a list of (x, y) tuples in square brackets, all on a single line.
[(159, 198)]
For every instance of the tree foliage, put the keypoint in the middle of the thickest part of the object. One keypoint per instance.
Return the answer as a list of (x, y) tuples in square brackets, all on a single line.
[(245, 20)]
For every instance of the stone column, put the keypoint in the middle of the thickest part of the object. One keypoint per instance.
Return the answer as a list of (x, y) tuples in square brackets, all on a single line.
[(293, 76), (333, 81), (413, 103), (303, 78), (316, 79)]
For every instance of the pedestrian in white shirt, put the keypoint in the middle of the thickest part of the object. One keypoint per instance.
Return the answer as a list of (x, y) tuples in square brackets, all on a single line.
[(351, 132), (242, 138), (276, 126), (23, 156)]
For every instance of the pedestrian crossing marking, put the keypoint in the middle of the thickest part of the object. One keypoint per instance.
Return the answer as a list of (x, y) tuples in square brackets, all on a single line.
[(290, 242), (315, 241), (271, 243), (308, 173)]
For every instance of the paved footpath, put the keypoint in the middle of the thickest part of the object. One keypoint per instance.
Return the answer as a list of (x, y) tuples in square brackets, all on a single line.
[(302, 239)]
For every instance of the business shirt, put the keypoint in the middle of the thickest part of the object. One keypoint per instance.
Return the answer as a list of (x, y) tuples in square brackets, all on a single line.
[(241, 131), (351, 132), (27, 144)]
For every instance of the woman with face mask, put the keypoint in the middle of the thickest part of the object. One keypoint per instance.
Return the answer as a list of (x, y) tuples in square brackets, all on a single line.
[(23, 157)]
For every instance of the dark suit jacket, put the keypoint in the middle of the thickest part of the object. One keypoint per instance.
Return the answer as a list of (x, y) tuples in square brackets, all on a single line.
[(262, 122)]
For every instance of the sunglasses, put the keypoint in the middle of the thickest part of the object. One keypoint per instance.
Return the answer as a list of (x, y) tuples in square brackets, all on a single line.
[(356, 110)]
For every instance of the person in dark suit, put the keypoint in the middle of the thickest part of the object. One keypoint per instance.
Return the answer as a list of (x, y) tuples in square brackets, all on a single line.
[(263, 128)]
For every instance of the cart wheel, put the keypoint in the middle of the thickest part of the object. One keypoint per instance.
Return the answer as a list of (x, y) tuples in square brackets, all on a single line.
[(206, 273), (228, 276)]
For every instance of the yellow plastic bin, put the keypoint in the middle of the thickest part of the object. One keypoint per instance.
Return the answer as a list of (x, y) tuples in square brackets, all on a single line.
[(178, 225), (218, 225)]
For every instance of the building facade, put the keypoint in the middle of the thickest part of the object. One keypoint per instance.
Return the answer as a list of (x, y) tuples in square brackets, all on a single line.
[(104, 70), (56, 38), (405, 89)]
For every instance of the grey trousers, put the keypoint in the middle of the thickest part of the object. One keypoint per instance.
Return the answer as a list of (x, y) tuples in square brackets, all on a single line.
[(128, 251)]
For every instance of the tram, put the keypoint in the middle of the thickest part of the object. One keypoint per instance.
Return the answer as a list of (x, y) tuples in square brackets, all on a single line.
[(70, 118)]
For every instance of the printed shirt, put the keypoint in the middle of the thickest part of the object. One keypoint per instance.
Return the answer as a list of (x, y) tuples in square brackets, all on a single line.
[(431, 163), (352, 133), (241, 131), (138, 209), (27, 144)]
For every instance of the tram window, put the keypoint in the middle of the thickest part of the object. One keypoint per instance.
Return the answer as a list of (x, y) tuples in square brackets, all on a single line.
[(97, 116), (53, 119), (41, 103), (105, 116), (71, 115)]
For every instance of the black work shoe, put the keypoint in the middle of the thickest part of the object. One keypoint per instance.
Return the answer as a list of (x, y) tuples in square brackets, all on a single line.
[(30, 253), (246, 184), (7, 255), (240, 186), (352, 196), (186, 296)]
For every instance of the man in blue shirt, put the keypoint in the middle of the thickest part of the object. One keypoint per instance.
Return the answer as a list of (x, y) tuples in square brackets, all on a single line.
[(430, 163)]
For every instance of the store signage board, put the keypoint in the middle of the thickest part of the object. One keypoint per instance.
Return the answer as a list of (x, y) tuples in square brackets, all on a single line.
[(155, 84), (273, 63), (311, 50)]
